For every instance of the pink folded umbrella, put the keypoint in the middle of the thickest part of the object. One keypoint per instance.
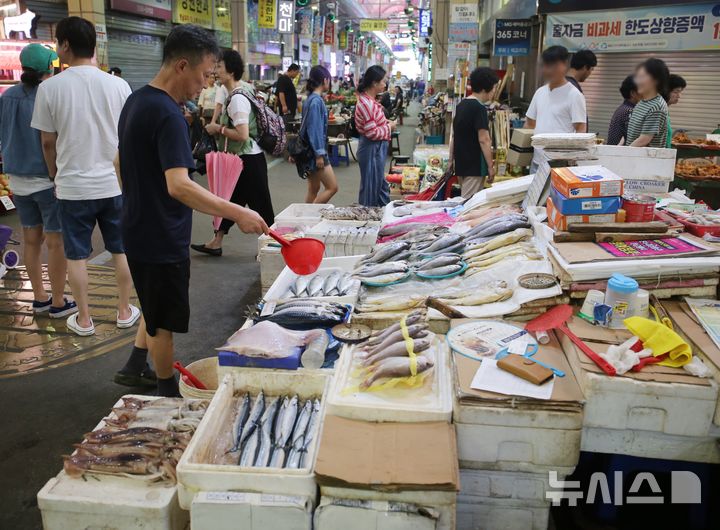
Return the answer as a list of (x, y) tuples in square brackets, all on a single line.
[(223, 172)]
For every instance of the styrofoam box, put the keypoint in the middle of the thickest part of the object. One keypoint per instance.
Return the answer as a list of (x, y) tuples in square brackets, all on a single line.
[(503, 500), (339, 243), (398, 406), (282, 227), (280, 288), (215, 510), (652, 167), (110, 502), (626, 403), (514, 439), (301, 212), (195, 475)]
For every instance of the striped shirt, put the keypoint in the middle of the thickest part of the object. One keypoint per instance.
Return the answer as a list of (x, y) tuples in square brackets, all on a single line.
[(649, 117), (370, 119)]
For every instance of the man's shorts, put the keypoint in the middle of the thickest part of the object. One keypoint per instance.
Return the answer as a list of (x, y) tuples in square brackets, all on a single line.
[(39, 209), (163, 290), (78, 222)]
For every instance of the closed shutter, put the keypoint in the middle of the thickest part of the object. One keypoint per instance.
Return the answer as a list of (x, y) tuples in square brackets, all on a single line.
[(697, 110), (48, 13)]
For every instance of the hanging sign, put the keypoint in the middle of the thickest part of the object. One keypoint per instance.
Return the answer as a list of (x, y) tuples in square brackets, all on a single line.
[(267, 14), (286, 16), (196, 12), (329, 33), (372, 24), (512, 37), (665, 28), (221, 16), (304, 22), (350, 43), (342, 40), (161, 9), (425, 22), (464, 23), (314, 54)]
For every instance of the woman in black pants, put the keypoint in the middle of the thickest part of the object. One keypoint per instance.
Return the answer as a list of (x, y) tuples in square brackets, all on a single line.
[(237, 130)]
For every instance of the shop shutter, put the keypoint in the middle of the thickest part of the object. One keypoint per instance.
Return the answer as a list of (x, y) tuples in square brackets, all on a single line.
[(50, 13), (697, 110), (138, 56)]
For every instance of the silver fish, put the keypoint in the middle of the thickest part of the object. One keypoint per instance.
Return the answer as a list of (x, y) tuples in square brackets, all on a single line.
[(439, 261), (315, 286), (278, 457), (295, 455), (283, 407), (301, 285), (310, 432), (331, 282), (403, 228), (250, 450), (252, 422), (346, 283), (302, 421), (442, 271), (288, 422), (386, 278), (382, 268), (443, 242), (240, 420), (266, 431), (385, 252)]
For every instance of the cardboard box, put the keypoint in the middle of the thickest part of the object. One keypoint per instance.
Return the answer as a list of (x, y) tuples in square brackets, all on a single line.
[(519, 156), (522, 137), (585, 206), (586, 181), (221, 510), (652, 167), (558, 221)]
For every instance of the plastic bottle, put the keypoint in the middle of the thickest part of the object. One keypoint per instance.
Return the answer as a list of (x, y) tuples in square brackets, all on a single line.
[(314, 355), (642, 304), (620, 295)]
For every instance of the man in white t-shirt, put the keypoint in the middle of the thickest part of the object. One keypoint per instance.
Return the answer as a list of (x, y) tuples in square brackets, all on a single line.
[(77, 113), (556, 107)]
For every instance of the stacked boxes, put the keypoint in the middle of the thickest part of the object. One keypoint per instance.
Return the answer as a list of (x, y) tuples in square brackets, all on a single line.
[(521, 150)]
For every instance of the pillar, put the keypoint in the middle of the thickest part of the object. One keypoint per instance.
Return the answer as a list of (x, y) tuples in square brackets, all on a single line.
[(238, 8), (439, 39), (94, 11)]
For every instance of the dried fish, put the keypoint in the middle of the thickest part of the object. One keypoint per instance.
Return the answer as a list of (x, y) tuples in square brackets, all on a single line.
[(396, 367)]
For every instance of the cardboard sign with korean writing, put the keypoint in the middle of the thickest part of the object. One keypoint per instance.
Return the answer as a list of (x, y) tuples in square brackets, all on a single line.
[(664, 28), (267, 14), (286, 16), (198, 12), (371, 24), (512, 37), (222, 20), (329, 33)]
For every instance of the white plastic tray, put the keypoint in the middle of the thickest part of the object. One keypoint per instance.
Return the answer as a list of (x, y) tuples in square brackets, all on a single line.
[(301, 212)]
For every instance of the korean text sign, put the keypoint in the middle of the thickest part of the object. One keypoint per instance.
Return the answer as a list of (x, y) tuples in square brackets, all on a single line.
[(199, 12), (512, 37), (425, 22), (662, 28), (267, 14), (286, 16)]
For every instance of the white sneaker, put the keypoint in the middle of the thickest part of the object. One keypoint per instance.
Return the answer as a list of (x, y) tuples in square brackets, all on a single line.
[(73, 326), (131, 320)]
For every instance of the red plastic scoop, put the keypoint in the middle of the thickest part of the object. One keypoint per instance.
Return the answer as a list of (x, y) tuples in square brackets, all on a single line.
[(556, 318), (194, 381), (302, 255)]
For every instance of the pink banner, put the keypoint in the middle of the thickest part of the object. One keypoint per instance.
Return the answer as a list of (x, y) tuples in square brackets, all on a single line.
[(649, 247)]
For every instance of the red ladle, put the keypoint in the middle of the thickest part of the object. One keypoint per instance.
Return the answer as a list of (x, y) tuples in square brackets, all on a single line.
[(302, 255)]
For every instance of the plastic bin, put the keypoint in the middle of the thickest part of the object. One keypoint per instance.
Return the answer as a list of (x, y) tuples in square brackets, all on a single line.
[(434, 139), (206, 370)]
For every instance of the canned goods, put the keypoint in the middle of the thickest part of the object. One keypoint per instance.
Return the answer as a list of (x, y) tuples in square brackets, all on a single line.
[(638, 208)]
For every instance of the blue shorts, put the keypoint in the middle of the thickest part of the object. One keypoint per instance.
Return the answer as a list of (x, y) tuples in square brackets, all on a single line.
[(78, 222), (39, 209)]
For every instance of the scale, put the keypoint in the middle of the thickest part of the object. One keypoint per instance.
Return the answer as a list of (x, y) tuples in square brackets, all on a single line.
[(351, 333)]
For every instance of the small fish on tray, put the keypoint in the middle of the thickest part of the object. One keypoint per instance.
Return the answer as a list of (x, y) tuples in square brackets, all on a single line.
[(335, 283)]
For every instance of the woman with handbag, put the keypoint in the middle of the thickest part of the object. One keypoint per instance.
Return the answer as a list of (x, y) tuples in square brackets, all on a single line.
[(310, 150), (237, 133)]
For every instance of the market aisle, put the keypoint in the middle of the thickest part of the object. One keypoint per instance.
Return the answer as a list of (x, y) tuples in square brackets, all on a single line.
[(62, 403)]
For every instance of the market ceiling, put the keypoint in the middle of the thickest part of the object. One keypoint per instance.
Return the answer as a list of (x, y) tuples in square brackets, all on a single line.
[(391, 10)]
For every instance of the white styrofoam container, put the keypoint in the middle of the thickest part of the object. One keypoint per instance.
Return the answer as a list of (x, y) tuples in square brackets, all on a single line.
[(258, 511), (514, 439), (280, 288), (626, 403), (296, 226), (271, 266), (301, 212), (650, 444), (342, 238), (503, 500), (645, 164), (195, 475), (400, 405)]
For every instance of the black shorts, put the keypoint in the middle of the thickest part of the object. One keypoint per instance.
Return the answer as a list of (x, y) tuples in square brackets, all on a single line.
[(163, 290)]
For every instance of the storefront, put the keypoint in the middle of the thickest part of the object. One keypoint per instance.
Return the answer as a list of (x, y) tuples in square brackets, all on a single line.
[(684, 36)]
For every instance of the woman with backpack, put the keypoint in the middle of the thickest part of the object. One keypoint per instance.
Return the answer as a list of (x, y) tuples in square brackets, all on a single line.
[(315, 166), (238, 133)]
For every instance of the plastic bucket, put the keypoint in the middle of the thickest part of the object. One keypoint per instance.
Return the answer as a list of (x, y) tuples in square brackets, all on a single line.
[(638, 208), (207, 371)]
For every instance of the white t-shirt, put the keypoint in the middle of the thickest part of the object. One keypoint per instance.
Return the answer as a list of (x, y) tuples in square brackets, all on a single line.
[(239, 111), (207, 98), (82, 105), (555, 111), (221, 95)]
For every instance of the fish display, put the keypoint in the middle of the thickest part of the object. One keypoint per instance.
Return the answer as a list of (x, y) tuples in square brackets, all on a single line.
[(269, 340), (386, 252), (335, 283), (305, 312), (496, 226), (484, 213), (495, 291), (405, 208), (441, 265), (353, 213)]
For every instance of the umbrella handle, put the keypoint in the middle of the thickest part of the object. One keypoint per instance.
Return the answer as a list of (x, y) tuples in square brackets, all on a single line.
[(277, 237)]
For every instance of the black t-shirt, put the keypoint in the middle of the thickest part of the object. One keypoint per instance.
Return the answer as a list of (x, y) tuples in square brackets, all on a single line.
[(154, 137), (286, 86), (470, 117)]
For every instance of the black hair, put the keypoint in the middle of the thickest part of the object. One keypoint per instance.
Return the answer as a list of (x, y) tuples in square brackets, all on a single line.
[(555, 54), (79, 34), (31, 78), (676, 81), (372, 75), (318, 75), (190, 42), (115, 70), (582, 59), (293, 67), (628, 86), (233, 63), (483, 79), (658, 70)]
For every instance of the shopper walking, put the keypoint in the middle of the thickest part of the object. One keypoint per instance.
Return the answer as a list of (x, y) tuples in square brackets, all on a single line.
[(287, 94), (471, 146), (238, 133), (399, 105), (648, 123), (77, 112), (155, 161), (617, 132), (375, 131), (33, 192), (313, 130), (676, 85)]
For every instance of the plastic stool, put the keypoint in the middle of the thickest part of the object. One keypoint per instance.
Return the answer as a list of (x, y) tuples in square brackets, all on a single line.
[(334, 152)]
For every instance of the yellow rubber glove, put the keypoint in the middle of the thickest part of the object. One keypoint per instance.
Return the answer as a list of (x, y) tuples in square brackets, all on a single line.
[(660, 339)]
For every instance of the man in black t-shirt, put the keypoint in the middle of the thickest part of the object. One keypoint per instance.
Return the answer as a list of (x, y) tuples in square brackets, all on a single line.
[(287, 94), (155, 161), (470, 146)]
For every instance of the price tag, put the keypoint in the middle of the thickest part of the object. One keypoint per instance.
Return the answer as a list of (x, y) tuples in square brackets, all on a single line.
[(268, 309), (7, 202)]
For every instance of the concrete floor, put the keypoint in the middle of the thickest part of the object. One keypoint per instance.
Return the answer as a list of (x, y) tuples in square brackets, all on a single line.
[(45, 413)]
